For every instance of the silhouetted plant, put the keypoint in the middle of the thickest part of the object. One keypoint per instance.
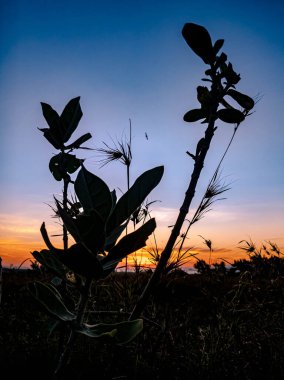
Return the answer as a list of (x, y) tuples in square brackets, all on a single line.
[(58, 134), (95, 219), (223, 80), (264, 261)]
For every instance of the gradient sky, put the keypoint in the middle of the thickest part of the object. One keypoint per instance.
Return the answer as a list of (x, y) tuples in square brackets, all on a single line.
[(127, 59)]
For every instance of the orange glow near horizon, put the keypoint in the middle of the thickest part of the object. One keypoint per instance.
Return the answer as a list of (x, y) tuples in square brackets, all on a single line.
[(15, 252), (20, 236)]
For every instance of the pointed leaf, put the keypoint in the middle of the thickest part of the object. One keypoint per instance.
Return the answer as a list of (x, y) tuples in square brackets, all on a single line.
[(93, 193), (77, 143), (53, 133), (112, 238), (194, 115), (122, 332), (53, 140), (131, 242), (50, 299), (134, 197), (244, 100), (230, 115), (199, 40), (51, 116), (218, 45), (70, 117)]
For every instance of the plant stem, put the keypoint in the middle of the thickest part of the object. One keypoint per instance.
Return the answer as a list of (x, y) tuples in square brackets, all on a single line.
[(65, 355), (65, 194), (165, 255), (128, 177)]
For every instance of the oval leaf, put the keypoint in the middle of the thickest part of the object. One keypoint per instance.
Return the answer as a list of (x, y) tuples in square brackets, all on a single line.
[(194, 115), (199, 40), (244, 100), (230, 115), (93, 193), (134, 197)]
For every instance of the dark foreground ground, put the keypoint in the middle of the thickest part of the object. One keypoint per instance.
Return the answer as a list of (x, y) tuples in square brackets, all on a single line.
[(201, 326)]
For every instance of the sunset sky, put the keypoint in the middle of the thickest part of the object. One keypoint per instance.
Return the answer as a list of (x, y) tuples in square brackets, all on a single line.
[(128, 60)]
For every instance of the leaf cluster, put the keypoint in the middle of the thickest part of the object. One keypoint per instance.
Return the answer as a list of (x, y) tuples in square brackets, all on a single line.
[(222, 77), (59, 131)]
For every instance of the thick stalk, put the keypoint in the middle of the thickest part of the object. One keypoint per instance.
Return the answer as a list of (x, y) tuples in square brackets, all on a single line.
[(65, 193), (165, 255), (66, 353), (128, 185)]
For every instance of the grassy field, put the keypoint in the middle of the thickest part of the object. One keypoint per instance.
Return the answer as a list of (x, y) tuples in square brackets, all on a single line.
[(216, 324)]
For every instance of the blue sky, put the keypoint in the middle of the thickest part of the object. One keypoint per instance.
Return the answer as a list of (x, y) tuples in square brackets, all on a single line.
[(127, 59)]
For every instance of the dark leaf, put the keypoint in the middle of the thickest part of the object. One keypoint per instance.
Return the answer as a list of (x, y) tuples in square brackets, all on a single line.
[(112, 238), (221, 60), (218, 45), (55, 167), (48, 296), (131, 242), (93, 193), (230, 115), (134, 197), (244, 100), (91, 230), (231, 76), (70, 118), (71, 162), (194, 115), (54, 133), (199, 40), (63, 163), (52, 118), (114, 198), (77, 143), (52, 139), (78, 258)]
